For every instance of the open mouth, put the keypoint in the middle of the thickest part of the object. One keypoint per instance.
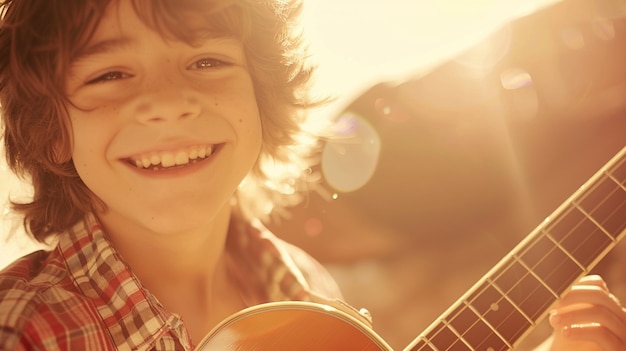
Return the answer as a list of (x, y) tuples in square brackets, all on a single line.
[(157, 161)]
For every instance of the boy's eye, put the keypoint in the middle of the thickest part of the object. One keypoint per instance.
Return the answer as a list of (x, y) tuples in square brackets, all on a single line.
[(115, 75), (207, 63)]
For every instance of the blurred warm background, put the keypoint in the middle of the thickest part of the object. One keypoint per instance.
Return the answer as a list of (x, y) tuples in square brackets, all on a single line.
[(461, 125), (438, 172)]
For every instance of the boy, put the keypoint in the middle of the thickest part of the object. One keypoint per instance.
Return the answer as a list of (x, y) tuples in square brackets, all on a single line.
[(149, 129)]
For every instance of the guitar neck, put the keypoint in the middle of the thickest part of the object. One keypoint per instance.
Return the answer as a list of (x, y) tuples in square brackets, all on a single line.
[(517, 293)]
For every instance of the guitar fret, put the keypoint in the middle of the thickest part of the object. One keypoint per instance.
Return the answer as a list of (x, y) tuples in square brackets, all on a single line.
[(612, 174), (445, 337), (541, 280), (477, 335), (573, 230), (422, 345), (511, 303), (550, 265), (558, 244), (607, 214), (494, 315), (591, 213), (484, 319), (501, 341), (526, 292), (589, 217)]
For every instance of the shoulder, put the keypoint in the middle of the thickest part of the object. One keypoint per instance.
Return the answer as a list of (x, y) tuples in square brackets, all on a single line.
[(21, 286), (32, 295), (285, 270), (32, 273), (322, 286), (17, 294), (320, 281), (26, 276)]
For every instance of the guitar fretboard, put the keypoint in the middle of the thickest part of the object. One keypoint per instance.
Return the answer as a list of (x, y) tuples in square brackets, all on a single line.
[(514, 296)]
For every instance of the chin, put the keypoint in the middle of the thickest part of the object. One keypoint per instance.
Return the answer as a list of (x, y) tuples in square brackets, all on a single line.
[(176, 222)]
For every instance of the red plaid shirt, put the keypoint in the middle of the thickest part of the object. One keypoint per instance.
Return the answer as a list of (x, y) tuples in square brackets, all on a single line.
[(82, 296)]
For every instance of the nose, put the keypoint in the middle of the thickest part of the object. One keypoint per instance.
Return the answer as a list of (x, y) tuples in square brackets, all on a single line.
[(164, 100)]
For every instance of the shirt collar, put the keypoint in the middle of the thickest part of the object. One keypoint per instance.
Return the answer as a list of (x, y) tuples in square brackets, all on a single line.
[(134, 318)]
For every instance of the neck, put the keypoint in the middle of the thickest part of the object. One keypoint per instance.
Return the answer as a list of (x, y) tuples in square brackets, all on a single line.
[(187, 270), (188, 254)]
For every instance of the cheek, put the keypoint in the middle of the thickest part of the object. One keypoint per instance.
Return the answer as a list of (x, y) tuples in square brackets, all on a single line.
[(248, 119), (83, 155), (88, 142), (254, 134), (253, 128)]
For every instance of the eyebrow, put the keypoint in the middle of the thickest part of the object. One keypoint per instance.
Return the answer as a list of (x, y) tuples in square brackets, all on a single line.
[(104, 46), (122, 43)]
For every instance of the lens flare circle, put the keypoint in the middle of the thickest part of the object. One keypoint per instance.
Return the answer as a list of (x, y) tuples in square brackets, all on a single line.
[(350, 157)]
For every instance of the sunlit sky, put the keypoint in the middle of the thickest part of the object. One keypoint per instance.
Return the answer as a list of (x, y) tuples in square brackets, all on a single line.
[(357, 43)]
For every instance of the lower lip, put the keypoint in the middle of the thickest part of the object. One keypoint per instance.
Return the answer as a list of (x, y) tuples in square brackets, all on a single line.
[(176, 171)]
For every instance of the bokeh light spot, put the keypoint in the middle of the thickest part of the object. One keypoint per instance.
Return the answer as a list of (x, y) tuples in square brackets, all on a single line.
[(349, 159), (572, 38), (515, 78), (313, 226), (604, 29), (524, 97)]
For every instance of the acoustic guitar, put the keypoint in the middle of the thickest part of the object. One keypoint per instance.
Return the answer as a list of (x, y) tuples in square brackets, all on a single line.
[(494, 315)]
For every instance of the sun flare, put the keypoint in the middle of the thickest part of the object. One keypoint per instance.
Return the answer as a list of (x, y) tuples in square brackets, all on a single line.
[(358, 43)]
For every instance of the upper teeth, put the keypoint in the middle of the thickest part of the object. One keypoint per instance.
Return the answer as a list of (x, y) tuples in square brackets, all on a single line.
[(172, 158)]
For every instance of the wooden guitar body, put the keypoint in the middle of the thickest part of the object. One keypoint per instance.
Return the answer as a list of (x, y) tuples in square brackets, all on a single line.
[(302, 326)]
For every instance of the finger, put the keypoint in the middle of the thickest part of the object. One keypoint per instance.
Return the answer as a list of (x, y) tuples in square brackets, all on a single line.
[(590, 313), (591, 295), (613, 319), (596, 318), (593, 279), (593, 332)]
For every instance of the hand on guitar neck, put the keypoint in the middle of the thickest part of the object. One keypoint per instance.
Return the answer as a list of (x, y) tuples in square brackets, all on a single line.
[(588, 318)]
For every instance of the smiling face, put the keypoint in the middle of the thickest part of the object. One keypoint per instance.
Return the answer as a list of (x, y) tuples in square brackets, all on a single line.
[(163, 131)]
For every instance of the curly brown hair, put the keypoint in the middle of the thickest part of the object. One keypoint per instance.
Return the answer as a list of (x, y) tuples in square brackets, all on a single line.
[(40, 38)]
